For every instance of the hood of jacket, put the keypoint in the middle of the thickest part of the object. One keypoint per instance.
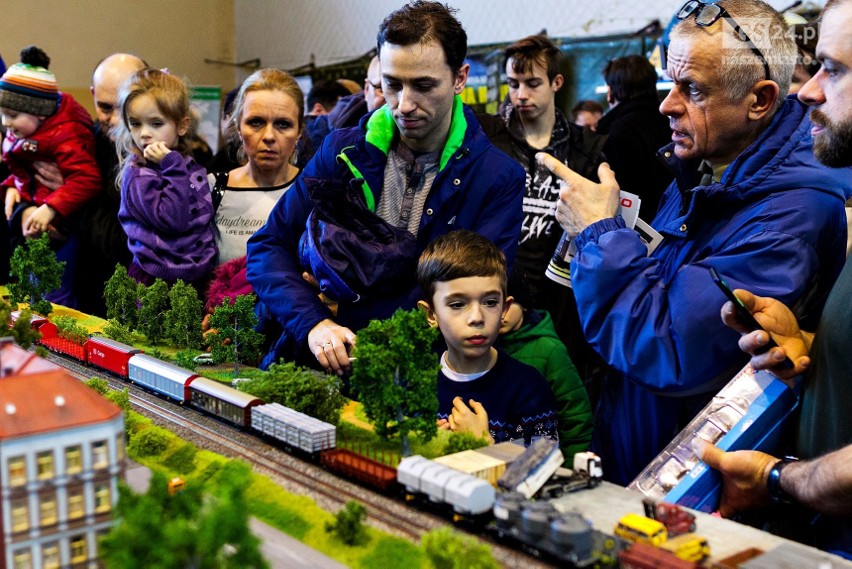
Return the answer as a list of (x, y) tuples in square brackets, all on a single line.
[(781, 159), (527, 333)]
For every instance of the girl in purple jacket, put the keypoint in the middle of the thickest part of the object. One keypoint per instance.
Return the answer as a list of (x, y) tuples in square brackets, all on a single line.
[(166, 207)]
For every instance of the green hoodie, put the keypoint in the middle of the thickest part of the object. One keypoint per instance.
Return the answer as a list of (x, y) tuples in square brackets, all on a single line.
[(538, 345)]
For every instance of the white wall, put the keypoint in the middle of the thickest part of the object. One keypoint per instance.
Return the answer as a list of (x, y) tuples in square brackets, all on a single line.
[(286, 34)]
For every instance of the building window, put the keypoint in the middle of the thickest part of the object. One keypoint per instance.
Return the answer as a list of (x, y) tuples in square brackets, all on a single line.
[(44, 462), (23, 559), (75, 504), (73, 460), (119, 447), (102, 503), (50, 556), (20, 515), (47, 510), (100, 458), (17, 471), (78, 548)]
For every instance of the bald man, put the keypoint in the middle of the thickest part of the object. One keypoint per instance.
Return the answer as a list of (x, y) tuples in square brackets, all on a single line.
[(103, 241), (107, 78)]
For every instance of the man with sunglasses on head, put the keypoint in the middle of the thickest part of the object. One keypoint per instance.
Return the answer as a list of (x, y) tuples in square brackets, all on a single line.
[(822, 480), (749, 199)]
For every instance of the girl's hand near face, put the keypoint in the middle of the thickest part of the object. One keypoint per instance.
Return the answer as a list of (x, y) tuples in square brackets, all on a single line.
[(156, 151)]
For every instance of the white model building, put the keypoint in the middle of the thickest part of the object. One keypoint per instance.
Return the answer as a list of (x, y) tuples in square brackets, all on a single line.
[(61, 456)]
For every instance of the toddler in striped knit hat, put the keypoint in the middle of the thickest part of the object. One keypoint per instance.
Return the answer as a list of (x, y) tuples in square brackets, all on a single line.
[(42, 124)]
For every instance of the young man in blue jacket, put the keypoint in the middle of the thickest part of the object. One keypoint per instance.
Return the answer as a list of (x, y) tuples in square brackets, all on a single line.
[(749, 199), (422, 163)]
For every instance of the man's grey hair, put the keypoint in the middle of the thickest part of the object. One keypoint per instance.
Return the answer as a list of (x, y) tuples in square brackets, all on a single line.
[(740, 68)]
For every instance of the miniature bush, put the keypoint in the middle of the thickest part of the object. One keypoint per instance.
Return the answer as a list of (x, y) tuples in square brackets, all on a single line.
[(120, 398), (184, 359), (70, 329), (150, 442), (457, 442), (98, 384), (448, 549), (308, 391), (182, 459), (349, 523), (117, 331), (158, 353)]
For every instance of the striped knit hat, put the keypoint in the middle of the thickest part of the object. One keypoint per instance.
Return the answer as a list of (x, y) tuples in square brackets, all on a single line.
[(28, 86)]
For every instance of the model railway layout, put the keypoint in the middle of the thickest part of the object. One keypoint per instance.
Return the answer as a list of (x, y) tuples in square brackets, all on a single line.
[(447, 486)]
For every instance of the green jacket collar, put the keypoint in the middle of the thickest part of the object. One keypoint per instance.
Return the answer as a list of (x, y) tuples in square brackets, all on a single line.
[(381, 131)]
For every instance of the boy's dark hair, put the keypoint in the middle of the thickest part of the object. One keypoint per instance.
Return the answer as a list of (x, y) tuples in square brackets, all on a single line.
[(422, 21), (532, 50), (630, 77), (457, 255)]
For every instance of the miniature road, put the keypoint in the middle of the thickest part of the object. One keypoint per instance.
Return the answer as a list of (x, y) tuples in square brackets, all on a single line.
[(279, 549)]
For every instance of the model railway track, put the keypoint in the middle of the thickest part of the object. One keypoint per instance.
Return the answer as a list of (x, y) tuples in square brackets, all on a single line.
[(298, 476), (292, 473)]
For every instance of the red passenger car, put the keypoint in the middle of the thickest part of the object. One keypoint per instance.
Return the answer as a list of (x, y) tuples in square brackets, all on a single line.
[(109, 354)]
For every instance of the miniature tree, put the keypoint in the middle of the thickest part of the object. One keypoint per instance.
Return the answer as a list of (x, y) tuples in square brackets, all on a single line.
[(349, 523), (120, 296), (35, 272), (184, 530), (155, 303), (451, 550), (22, 331), (396, 376), (305, 390), (117, 331), (235, 338), (183, 320)]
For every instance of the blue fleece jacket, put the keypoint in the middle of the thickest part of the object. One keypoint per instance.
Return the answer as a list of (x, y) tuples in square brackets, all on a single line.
[(477, 188), (774, 225)]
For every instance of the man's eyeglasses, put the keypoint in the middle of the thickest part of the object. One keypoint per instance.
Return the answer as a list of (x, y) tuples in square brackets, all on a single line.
[(707, 14)]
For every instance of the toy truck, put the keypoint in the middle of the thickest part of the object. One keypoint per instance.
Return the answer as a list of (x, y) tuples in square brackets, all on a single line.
[(676, 519)]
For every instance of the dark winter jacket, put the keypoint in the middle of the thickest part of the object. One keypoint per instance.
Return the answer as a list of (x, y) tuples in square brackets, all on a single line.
[(66, 139), (167, 212), (774, 225), (516, 397), (536, 344), (477, 188), (635, 130)]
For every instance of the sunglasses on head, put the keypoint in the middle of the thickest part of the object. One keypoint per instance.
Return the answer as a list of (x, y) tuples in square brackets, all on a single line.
[(707, 15)]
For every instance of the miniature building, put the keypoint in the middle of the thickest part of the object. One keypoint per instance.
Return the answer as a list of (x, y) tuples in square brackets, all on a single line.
[(14, 360), (61, 456)]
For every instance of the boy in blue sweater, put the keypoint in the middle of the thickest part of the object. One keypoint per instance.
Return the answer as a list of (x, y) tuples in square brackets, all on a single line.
[(480, 390)]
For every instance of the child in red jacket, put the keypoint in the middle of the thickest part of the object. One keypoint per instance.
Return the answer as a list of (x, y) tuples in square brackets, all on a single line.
[(42, 124)]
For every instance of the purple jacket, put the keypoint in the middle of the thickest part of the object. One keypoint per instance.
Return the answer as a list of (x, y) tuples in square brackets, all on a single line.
[(167, 212)]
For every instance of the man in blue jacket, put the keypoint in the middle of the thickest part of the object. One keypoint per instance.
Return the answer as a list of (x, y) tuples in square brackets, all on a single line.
[(749, 199), (422, 162)]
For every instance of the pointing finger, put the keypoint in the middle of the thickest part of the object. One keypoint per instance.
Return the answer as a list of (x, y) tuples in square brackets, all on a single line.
[(557, 167)]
